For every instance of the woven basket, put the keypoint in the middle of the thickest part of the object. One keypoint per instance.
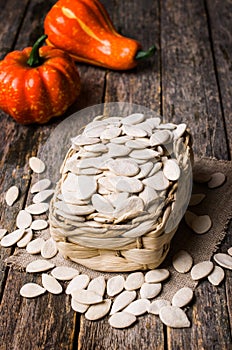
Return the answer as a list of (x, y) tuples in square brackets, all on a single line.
[(139, 243)]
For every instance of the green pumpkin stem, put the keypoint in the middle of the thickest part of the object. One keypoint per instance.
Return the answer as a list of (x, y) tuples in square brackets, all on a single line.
[(35, 60), (141, 55)]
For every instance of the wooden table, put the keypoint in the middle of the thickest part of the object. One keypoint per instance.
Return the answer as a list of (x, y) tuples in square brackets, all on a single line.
[(188, 80)]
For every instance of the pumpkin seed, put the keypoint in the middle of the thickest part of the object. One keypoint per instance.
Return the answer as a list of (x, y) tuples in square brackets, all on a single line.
[(123, 167), (40, 185), (144, 170), (138, 307), (133, 131), (156, 305), (37, 208), (31, 290), (110, 133), (174, 317), (27, 237), (39, 265), (155, 276), (82, 140), (189, 218), (122, 320), (3, 232), (122, 300), (23, 219), (115, 285), (116, 150), (201, 270), (97, 311), (78, 307), (78, 282), (12, 195), (39, 224), (160, 137), (101, 204), (182, 297), (36, 165), (87, 297), (49, 249), (64, 273), (196, 199), (201, 224), (134, 281), (150, 290), (145, 153), (42, 196), (35, 246), (158, 181), (171, 170), (98, 285), (216, 276), (51, 284), (182, 261), (217, 180), (134, 118), (223, 260), (12, 238)]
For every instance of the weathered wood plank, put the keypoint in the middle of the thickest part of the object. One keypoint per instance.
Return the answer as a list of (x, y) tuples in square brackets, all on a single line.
[(189, 86), (220, 27), (190, 94)]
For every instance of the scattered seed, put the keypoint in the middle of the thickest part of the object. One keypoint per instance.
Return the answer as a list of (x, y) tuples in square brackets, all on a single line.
[(36, 165), (12, 238), (42, 196), (41, 185), (201, 270), (182, 297), (78, 282), (51, 284), (216, 276), (39, 224), (201, 177), (122, 300), (173, 316), (49, 249), (150, 290), (182, 261), (78, 307), (98, 285), (88, 297), (23, 219), (12, 195), (134, 281), (64, 273), (39, 265), (97, 311), (37, 208), (138, 307), (201, 224), (27, 237), (122, 320), (189, 217), (115, 285), (31, 290), (155, 276), (35, 246), (3, 232), (223, 260), (217, 180), (196, 199), (171, 170), (156, 305)]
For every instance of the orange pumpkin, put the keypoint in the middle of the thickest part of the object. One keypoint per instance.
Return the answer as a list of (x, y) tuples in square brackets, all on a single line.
[(37, 83), (84, 29)]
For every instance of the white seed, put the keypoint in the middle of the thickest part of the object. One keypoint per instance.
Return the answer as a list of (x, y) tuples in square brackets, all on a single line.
[(39, 224), (51, 284), (134, 281), (132, 207), (139, 230), (12, 238), (115, 285), (189, 217), (12, 195), (201, 224), (35, 246), (138, 307), (217, 180), (173, 316), (64, 273), (148, 195), (49, 249), (39, 265), (134, 118), (23, 219), (144, 170), (98, 285), (116, 150), (121, 139), (40, 185), (229, 251), (128, 184), (83, 185), (156, 305), (150, 290), (78, 282), (42, 196), (27, 237), (122, 300), (110, 133), (78, 307), (95, 130), (171, 170), (201, 270), (82, 140), (136, 144), (201, 177), (76, 210), (122, 320), (179, 131), (196, 199), (182, 261), (88, 297), (160, 137), (116, 199), (133, 131), (101, 204), (98, 147), (155, 276), (37, 208), (182, 297), (97, 311), (123, 167), (216, 276), (153, 122), (3, 232), (36, 165), (31, 290), (223, 260), (145, 153), (155, 169), (158, 181)]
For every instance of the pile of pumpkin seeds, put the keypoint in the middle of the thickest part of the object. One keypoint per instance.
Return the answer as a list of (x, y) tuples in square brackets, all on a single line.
[(123, 299)]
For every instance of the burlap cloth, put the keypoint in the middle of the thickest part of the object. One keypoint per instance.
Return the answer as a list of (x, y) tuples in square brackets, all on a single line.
[(217, 204)]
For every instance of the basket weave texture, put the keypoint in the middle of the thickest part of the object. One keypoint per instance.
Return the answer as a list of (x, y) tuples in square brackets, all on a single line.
[(137, 243)]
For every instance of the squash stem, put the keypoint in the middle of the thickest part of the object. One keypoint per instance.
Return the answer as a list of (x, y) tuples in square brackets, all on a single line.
[(141, 55), (35, 60)]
